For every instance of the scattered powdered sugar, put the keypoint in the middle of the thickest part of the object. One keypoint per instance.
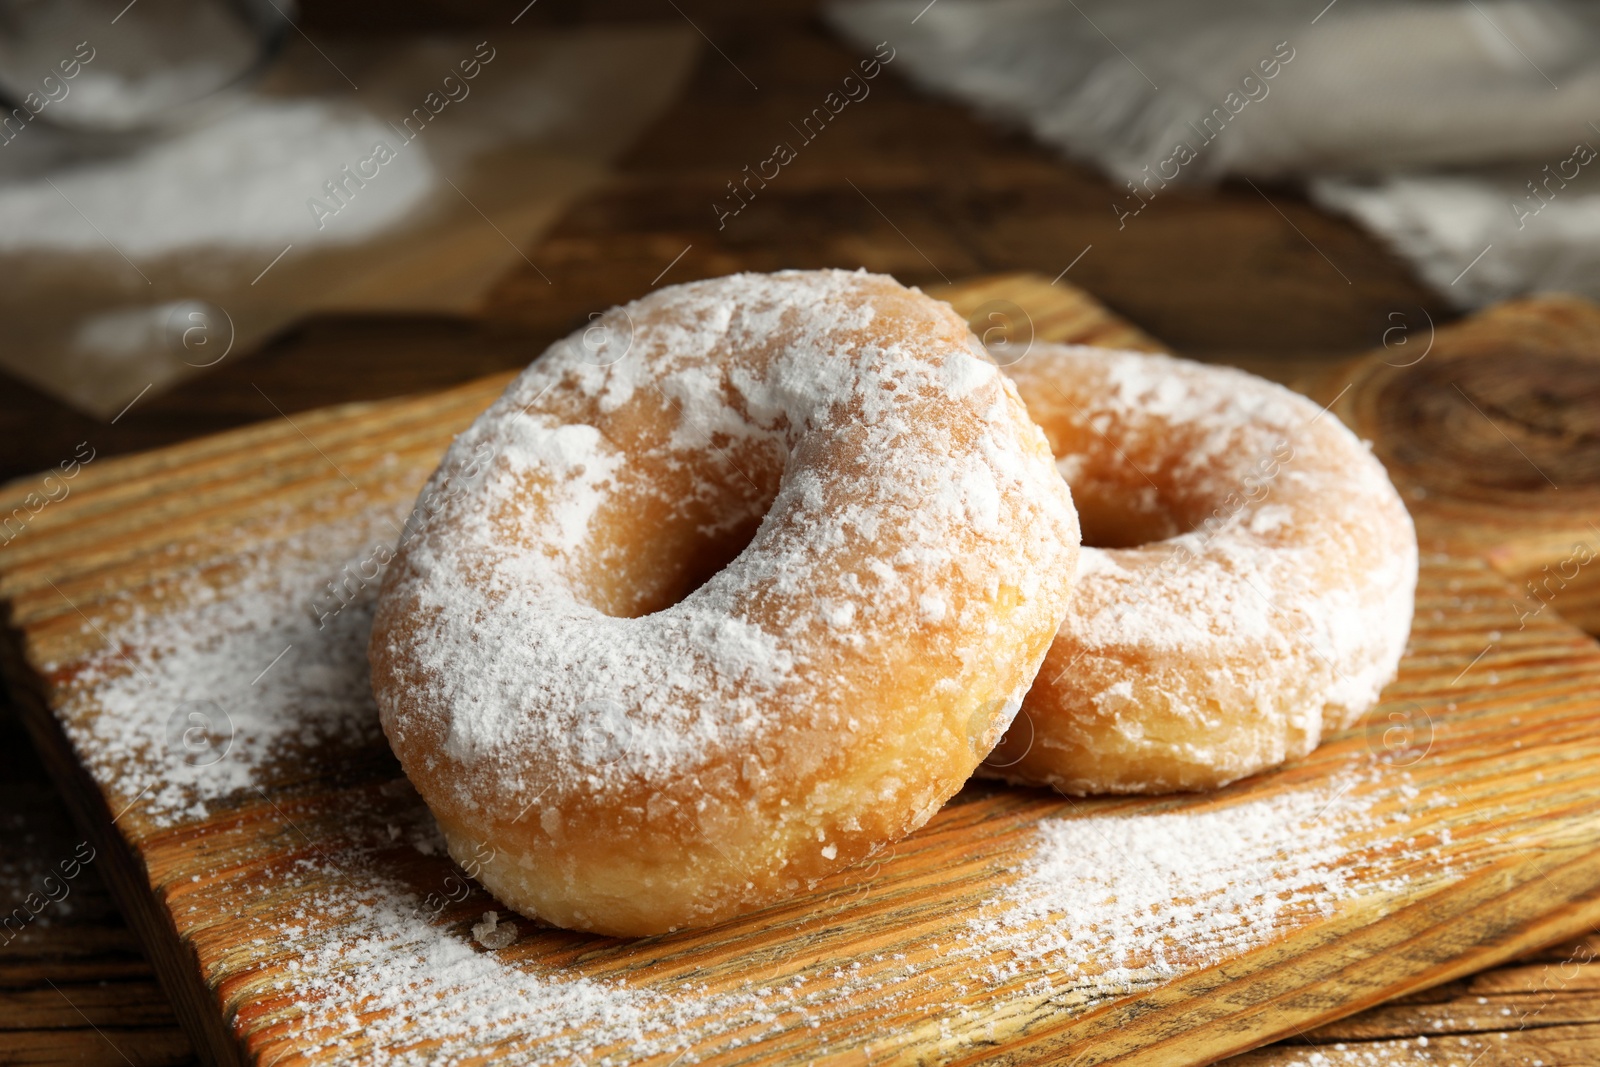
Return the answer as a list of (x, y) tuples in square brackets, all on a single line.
[(1101, 906), (1097, 903), (1118, 903), (375, 982), (191, 699)]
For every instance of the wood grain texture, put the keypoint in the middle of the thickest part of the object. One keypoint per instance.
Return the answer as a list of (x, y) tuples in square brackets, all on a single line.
[(1008, 311), (1520, 868), (1491, 430), (1218, 272)]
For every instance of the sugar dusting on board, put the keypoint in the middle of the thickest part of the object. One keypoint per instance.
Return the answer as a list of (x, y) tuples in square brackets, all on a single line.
[(1088, 919), (363, 962), (1123, 902), (189, 702), (1102, 906)]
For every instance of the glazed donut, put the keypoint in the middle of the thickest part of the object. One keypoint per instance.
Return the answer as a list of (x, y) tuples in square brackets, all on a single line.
[(725, 593), (1249, 589)]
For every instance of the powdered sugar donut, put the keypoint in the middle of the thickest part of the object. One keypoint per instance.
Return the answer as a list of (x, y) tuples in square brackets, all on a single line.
[(1250, 589), (757, 574)]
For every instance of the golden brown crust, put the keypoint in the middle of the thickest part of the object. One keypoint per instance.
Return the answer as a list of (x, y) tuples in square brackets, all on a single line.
[(1251, 589), (646, 752)]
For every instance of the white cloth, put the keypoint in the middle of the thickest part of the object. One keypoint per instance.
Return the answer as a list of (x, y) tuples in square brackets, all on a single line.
[(1480, 237), (1384, 103)]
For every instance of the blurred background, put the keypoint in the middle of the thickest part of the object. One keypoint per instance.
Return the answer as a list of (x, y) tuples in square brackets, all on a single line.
[(214, 213), (334, 200)]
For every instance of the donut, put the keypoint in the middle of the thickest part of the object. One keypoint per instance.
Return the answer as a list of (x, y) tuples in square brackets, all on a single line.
[(1245, 584), (728, 591)]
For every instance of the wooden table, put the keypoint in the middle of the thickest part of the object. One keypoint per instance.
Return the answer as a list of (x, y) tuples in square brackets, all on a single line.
[(899, 183)]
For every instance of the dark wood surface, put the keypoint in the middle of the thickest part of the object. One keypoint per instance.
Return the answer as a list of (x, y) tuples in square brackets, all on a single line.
[(900, 183)]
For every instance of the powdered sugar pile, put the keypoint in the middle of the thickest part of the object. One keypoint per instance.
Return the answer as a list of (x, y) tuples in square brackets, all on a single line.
[(244, 183)]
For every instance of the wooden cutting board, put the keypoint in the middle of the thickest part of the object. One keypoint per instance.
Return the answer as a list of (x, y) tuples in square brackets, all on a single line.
[(185, 633)]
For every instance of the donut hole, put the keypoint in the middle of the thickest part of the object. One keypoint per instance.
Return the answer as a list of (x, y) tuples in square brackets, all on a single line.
[(1119, 515), (666, 567), (656, 545), (1124, 520), (1130, 489), (1121, 502), (702, 561)]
